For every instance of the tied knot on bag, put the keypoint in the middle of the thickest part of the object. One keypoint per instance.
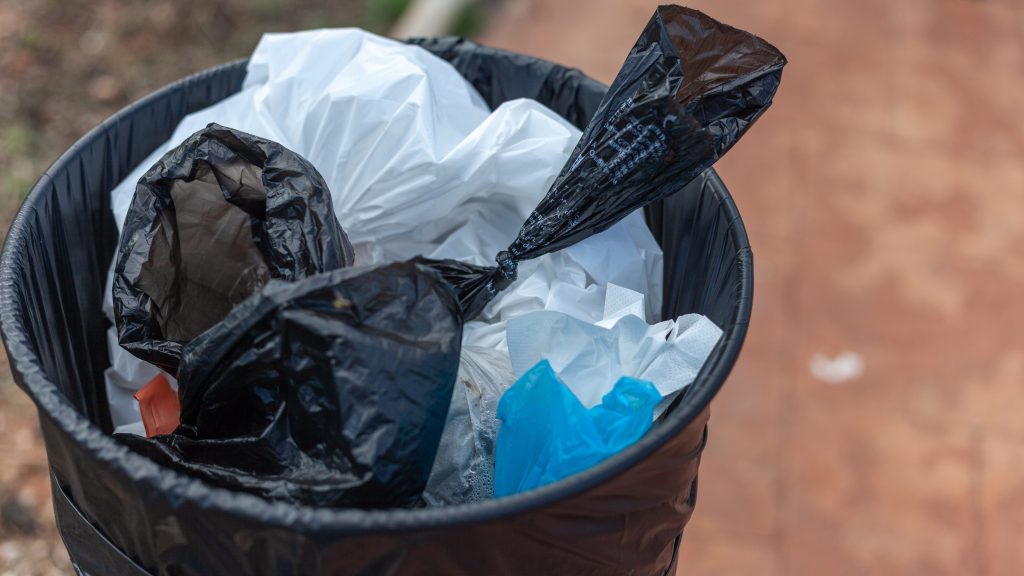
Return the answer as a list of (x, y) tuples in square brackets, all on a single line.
[(506, 272)]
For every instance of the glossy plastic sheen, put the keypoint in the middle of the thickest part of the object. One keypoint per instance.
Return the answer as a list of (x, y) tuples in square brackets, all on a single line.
[(123, 514), (212, 222), (330, 390), (688, 90)]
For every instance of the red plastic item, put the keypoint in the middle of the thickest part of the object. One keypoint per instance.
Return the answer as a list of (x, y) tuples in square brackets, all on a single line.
[(159, 405)]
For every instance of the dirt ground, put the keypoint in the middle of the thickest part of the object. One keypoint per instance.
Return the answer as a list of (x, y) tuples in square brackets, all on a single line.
[(65, 65)]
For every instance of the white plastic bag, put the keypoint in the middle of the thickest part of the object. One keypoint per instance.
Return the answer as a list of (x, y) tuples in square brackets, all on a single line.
[(591, 357), (416, 164)]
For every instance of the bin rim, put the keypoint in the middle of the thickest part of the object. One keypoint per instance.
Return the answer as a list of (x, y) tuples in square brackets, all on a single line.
[(151, 478)]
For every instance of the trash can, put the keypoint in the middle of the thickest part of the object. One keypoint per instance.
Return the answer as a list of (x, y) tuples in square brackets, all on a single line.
[(122, 514)]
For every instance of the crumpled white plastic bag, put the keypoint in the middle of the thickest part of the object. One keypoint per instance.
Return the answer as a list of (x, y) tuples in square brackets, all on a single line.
[(591, 357), (416, 164), (573, 281)]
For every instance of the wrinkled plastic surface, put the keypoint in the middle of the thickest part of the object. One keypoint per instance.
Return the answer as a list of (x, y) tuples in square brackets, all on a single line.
[(431, 133), (327, 391), (590, 357), (209, 225), (120, 513), (416, 164), (546, 434), (463, 468), (689, 89)]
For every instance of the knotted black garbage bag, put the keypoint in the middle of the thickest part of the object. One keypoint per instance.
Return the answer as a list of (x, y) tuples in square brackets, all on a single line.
[(689, 89), (211, 223), (330, 391)]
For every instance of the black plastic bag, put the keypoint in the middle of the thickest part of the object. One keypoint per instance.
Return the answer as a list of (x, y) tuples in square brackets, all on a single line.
[(211, 223), (329, 391), (689, 89)]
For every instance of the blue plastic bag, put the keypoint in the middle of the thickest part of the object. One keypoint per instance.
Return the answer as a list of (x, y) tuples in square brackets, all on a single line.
[(546, 434)]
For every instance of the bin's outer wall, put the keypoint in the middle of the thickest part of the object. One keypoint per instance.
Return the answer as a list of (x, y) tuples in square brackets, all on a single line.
[(51, 277)]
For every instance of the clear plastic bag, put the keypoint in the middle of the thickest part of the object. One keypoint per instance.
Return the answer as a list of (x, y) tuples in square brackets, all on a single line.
[(464, 466)]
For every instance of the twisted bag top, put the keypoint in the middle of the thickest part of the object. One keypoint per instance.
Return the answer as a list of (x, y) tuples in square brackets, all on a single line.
[(689, 89)]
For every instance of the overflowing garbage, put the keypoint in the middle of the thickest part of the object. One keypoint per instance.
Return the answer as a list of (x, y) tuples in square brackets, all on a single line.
[(308, 264)]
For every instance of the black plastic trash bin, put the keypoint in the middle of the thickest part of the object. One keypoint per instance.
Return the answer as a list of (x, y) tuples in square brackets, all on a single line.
[(120, 513)]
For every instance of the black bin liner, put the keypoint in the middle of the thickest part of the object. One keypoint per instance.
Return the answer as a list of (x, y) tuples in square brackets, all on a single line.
[(121, 513)]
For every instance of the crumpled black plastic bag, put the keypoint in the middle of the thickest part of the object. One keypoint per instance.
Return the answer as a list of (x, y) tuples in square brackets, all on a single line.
[(211, 223), (328, 391), (689, 89)]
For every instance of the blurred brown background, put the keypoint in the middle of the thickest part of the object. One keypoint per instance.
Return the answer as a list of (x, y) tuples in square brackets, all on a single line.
[(872, 425)]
